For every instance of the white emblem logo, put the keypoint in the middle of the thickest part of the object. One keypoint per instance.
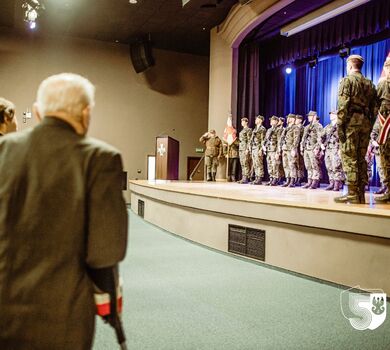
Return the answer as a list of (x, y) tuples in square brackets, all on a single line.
[(364, 310), (161, 150)]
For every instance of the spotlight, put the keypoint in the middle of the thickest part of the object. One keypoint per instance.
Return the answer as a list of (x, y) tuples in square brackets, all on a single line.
[(33, 25), (344, 52), (313, 63), (288, 70)]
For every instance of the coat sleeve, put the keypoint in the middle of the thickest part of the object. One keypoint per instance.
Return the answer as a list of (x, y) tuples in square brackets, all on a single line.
[(106, 212)]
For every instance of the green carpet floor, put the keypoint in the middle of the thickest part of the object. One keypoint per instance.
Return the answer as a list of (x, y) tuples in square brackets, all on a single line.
[(179, 295)]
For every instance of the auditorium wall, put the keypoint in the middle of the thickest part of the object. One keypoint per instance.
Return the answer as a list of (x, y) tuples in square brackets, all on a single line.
[(130, 109)]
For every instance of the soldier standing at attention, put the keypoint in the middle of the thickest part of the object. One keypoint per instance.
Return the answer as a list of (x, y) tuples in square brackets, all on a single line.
[(355, 117), (376, 150), (330, 144), (213, 153), (270, 148), (257, 141), (384, 121), (232, 154), (301, 163), (311, 149), (278, 160), (245, 138)]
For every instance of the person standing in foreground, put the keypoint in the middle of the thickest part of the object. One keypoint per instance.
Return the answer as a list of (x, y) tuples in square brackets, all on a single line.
[(355, 117), (384, 139), (62, 216), (8, 122)]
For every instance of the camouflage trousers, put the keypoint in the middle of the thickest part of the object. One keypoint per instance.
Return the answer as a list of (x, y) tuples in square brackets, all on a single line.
[(279, 170), (257, 159), (290, 164), (271, 164), (354, 149), (245, 163), (312, 164), (385, 162), (333, 164), (211, 164), (301, 166)]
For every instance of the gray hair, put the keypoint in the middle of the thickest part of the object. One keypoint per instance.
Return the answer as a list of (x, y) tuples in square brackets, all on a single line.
[(67, 93)]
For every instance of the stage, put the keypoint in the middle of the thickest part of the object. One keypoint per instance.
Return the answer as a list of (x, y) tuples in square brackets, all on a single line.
[(303, 230)]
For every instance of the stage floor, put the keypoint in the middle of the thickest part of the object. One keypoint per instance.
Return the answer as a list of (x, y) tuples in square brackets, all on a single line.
[(293, 197)]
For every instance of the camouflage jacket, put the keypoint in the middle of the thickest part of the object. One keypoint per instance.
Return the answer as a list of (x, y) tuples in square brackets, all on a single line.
[(213, 146), (289, 139), (384, 97), (279, 134), (245, 138), (330, 137), (271, 139), (311, 138), (232, 150), (357, 95), (258, 137), (374, 136)]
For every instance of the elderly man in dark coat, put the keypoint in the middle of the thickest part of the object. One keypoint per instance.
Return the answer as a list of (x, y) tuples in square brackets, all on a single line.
[(62, 213)]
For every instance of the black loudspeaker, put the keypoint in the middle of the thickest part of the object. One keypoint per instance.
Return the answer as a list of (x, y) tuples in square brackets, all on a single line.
[(141, 55)]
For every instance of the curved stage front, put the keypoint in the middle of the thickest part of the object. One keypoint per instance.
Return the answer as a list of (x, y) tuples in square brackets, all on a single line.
[(303, 230)]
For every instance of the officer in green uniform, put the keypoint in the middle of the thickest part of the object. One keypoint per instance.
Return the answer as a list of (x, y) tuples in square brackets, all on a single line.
[(213, 153), (301, 163), (244, 150), (384, 147), (270, 148), (278, 159), (331, 146), (355, 117), (257, 141)]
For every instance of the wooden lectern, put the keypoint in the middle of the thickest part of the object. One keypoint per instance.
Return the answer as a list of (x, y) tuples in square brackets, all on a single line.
[(167, 158)]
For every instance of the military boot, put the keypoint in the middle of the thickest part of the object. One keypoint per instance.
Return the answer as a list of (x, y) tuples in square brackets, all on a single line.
[(213, 176), (287, 183), (362, 196), (330, 186), (274, 182), (351, 197), (233, 178), (385, 199), (308, 184), (315, 184), (382, 190), (257, 181), (269, 182), (254, 181), (298, 183), (338, 185), (292, 182), (244, 180), (209, 177)]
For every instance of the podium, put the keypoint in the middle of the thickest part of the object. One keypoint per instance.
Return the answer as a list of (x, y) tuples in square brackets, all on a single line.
[(167, 158)]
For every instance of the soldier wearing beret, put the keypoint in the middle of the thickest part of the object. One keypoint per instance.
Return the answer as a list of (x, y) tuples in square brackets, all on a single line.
[(384, 121), (355, 117), (8, 122), (331, 146), (244, 150), (270, 148), (311, 149), (213, 153), (257, 141)]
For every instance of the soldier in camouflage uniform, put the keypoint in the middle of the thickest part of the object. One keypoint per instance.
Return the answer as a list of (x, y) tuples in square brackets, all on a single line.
[(278, 159), (257, 141), (244, 150), (232, 154), (289, 144), (270, 148), (301, 163), (213, 153), (374, 146), (356, 113), (311, 149), (384, 147), (330, 144)]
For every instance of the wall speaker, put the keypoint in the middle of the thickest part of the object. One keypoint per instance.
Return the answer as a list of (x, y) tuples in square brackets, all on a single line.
[(141, 55)]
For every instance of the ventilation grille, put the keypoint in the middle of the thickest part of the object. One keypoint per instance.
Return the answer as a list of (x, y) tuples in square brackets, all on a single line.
[(247, 241), (141, 208)]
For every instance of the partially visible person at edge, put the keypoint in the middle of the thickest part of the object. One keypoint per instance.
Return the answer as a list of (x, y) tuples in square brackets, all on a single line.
[(8, 122), (62, 215)]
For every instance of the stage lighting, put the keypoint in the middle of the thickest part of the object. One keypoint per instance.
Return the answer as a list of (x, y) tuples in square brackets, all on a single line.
[(313, 63), (288, 70), (344, 52), (31, 11)]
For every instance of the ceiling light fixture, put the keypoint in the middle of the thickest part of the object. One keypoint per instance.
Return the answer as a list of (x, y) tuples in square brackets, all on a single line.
[(32, 10), (133, 1)]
